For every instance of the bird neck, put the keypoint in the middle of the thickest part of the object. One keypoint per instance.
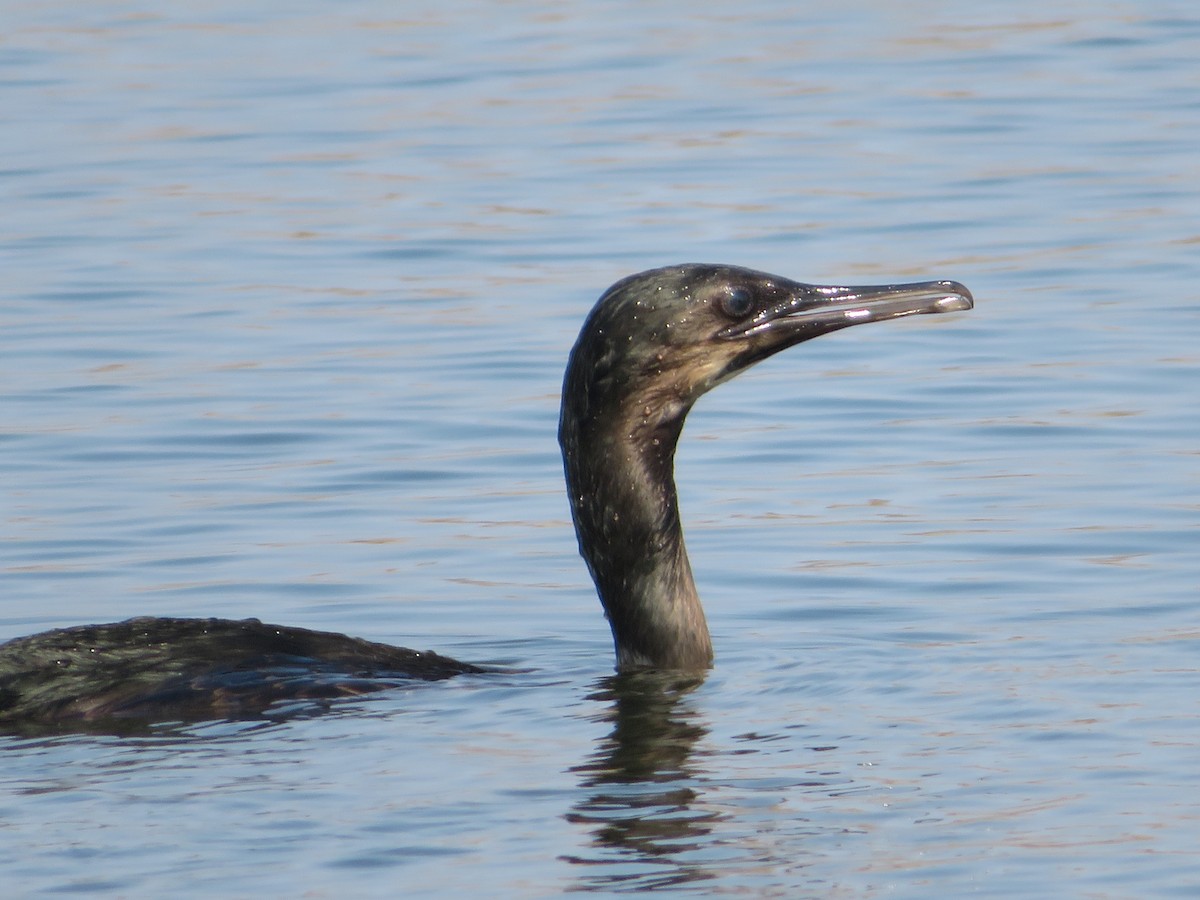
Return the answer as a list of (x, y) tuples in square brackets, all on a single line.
[(620, 478)]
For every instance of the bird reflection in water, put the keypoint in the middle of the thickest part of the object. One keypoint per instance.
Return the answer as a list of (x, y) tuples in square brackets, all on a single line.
[(641, 786)]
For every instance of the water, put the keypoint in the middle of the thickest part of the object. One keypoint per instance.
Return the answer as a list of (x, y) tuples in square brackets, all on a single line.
[(287, 296)]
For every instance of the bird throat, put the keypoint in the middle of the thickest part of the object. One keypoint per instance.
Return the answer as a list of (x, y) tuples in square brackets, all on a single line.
[(620, 474)]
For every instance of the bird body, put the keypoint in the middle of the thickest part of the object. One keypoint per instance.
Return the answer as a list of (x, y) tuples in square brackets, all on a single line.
[(652, 345), (155, 666)]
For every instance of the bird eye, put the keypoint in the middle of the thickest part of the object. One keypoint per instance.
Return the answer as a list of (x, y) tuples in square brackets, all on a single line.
[(737, 303)]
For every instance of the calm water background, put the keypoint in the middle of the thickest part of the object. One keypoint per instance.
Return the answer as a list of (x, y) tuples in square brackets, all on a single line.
[(287, 293)]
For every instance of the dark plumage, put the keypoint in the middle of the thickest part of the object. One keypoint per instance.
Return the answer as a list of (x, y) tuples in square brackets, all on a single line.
[(192, 669), (653, 344)]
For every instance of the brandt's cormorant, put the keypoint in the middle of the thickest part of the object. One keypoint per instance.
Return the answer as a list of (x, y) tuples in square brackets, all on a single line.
[(651, 346)]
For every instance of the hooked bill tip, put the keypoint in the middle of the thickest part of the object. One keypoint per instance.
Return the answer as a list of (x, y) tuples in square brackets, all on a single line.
[(955, 303), (958, 297)]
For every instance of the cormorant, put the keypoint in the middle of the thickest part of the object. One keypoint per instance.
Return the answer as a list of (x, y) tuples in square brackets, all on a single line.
[(651, 346)]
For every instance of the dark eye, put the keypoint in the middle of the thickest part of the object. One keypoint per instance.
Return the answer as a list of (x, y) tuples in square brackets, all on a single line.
[(737, 303)]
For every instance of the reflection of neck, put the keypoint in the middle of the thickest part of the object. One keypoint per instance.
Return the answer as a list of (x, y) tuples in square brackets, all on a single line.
[(652, 736), (642, 790)]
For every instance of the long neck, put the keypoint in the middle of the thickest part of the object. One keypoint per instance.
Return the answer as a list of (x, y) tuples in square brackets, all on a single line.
[(619, 466)]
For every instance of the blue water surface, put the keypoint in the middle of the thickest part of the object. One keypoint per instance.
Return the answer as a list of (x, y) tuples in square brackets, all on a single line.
[(287, 295)]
